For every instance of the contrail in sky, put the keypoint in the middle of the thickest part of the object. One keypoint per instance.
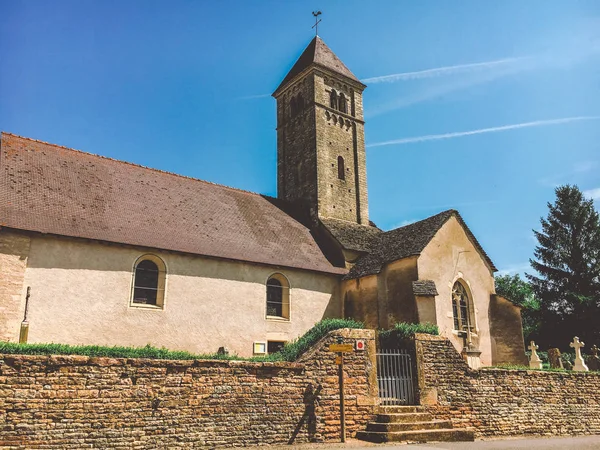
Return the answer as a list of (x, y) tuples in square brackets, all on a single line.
[(440, 71), (436, 137)]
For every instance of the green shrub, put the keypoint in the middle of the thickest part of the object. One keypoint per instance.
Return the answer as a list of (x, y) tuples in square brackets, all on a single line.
[(294, 349), (98, 350), (290, 351), (405, 330)]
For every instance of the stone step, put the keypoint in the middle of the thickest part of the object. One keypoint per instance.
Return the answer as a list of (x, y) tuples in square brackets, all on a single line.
[(410, 426), (444, 435), (399, 409), (403, 417)]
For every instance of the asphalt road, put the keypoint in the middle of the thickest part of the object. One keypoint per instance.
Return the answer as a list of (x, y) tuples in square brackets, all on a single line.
[(537, 443)]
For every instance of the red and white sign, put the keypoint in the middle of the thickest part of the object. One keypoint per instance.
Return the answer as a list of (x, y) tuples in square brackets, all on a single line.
[(360, 345)]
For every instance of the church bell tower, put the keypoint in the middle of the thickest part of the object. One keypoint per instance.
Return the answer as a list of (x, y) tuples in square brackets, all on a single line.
[(320, 137)]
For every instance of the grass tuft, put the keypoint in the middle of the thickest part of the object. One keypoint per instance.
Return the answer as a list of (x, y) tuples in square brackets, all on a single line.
[(290, 351), (294, 349), (405, 330), (111, 352)]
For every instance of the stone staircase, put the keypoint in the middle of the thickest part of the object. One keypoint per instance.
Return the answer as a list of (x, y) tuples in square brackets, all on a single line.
[(411, 423)]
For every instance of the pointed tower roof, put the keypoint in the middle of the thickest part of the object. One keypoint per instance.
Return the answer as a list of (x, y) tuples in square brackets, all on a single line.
[(317, 53)]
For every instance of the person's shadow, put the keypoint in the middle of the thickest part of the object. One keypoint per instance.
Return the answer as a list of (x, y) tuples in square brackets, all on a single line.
[(311, 401)]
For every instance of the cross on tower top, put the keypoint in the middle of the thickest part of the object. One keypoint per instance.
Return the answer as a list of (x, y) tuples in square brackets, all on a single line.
[(317, 21)]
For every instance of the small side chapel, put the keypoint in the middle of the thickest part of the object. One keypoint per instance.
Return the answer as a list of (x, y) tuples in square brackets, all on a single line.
[(100, 251)]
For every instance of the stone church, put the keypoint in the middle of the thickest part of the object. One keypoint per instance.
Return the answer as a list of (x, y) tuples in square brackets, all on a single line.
[(99, 251)]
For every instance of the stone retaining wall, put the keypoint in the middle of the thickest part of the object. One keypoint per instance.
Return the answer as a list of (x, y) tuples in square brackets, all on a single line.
[(501, 402), (76, 402)]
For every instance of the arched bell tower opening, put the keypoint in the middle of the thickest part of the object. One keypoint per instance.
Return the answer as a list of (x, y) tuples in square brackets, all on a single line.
[(321, 147)]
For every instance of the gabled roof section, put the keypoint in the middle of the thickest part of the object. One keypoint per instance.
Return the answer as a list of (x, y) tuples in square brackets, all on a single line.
[(424, 288), (318, 53), (406, 241), (352, 236), (51, 189)]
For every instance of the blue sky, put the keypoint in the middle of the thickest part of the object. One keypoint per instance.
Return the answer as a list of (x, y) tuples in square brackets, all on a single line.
[(480, 106)]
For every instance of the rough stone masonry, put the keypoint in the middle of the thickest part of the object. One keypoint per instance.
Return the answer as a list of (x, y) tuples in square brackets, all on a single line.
[(77, 402), (503, 402)]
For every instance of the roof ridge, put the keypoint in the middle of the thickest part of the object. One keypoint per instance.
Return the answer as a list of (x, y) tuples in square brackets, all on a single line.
[(133, 164), (446, 211)]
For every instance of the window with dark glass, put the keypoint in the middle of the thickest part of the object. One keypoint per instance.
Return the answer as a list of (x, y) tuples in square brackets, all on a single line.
[(278, 297), (343, 104), (341, 169), (333, 99), (274, 346), (145, 288), (461, 308), (274, 297)]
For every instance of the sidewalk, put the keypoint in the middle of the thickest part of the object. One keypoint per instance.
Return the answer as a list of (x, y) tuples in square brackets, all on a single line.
[(519, 443)]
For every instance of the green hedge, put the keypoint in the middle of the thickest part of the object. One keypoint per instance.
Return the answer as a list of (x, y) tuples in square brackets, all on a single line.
[(294, 349), (290, 351), (405, 330), (97, 350)]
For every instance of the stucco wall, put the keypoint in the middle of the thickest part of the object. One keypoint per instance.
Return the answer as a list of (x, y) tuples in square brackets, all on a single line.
[(396, 294), (80, 294), (451, 256), (361, 300), (14, 251)]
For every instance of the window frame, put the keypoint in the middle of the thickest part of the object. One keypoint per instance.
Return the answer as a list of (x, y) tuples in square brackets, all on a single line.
[(458, 309), (341, 168), (286, 304), (161, 285)]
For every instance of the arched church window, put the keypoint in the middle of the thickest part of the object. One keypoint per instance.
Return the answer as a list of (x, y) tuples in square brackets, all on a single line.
[(333, 99), (343, 104), (149, 281), (462, 308), (278, 297), (341, 169)]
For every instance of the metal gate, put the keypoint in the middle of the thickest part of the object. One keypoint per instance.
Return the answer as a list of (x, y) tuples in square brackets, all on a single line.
[(395, 377)]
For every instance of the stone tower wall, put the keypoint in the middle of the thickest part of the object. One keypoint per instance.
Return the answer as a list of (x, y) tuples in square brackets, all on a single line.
[(296, 156), (340, 134), (309, 144)]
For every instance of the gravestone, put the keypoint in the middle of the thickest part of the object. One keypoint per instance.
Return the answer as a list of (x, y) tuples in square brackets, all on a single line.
[(554, 359), (579, 363), (593, 361), (534, 361)]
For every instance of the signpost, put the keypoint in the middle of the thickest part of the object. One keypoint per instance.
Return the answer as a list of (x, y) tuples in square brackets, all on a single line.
[(341, 348)]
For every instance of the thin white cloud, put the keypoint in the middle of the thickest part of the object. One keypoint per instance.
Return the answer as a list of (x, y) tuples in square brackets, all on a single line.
[(594, 194), (514, 269), (436, 137), (578, 169), (444, 71)]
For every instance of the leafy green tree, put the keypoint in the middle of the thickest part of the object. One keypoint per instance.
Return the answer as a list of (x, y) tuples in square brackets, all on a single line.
[(519, 291), (567, 260)]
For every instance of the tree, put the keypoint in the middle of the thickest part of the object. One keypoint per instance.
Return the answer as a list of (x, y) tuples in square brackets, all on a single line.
[(568, 266), (520, 292)]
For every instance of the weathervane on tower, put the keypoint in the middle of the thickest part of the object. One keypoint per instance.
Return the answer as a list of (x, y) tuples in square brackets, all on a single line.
[(317, 21)]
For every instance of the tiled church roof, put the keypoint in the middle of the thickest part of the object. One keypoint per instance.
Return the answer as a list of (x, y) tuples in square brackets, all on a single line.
[(352, 236), (317, 53), (424, 288), (406, 241), (52, 189)]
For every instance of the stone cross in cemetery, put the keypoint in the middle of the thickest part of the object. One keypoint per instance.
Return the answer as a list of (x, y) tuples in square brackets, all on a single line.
[(534, 362), (593, 361), (579, 363)]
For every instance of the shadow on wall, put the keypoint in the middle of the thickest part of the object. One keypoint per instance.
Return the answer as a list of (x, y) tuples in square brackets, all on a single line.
[(311, 402)]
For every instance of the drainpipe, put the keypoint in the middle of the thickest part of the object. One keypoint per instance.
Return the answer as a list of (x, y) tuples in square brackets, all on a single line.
[(24, 333)]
